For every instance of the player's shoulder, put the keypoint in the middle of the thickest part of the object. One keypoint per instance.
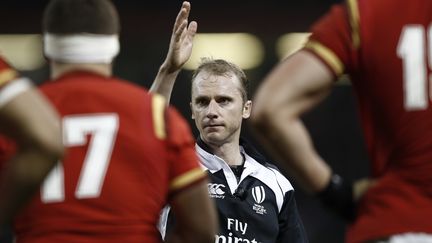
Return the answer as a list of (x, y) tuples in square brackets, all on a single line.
[(127, 84), (176, 120), (131, 92)]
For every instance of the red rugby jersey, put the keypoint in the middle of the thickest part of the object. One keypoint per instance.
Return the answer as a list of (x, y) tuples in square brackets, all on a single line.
[(386, 48), (127, 154)]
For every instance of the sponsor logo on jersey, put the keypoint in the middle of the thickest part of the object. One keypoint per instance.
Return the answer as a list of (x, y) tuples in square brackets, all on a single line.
[(258, 194), (216, 190), (230, 238), (240, 228)]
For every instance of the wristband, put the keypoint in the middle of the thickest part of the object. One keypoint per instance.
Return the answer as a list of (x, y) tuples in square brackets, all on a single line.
[(338, 197)]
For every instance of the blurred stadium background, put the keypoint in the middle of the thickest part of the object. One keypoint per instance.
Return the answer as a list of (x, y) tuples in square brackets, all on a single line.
[(254, 34)]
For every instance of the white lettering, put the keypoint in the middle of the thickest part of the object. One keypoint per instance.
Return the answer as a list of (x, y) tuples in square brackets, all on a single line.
[(221, 238), (230, 222), (230, 238), (243, 227), (237, 225)]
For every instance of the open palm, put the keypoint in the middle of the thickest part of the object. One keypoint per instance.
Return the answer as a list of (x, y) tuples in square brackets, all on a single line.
[(181, 43)]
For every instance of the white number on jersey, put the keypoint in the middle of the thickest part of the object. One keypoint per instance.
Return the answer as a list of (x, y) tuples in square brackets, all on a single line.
[(103, 130), (414, 53)]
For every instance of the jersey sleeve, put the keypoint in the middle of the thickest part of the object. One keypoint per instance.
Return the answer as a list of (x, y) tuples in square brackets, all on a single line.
[(291, 227), (184, 166), (335, 38)]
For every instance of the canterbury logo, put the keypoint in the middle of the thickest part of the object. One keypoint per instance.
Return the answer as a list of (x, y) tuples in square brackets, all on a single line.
[(215, 189), (258, 194)]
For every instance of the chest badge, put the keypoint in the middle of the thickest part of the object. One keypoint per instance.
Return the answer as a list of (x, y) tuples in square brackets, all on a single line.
[(216, 190), (258, 194)]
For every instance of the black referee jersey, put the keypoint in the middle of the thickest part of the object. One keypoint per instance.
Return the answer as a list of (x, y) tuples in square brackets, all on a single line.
[(258, 207)]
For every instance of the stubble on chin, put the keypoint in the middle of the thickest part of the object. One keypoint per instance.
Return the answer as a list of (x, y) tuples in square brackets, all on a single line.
[(211, 138)]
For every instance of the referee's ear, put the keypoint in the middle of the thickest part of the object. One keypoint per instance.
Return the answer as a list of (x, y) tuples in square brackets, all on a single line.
[(247, 109), (192, 113)]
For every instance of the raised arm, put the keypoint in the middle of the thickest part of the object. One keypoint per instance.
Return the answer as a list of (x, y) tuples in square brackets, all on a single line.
[(28, 118), (179, 52)]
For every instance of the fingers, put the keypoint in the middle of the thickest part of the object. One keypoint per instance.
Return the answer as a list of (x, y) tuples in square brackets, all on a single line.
[(182, 15), (361, 187), (180, 30), (188, 34), (193, 27), (181, 24), (186, 5)]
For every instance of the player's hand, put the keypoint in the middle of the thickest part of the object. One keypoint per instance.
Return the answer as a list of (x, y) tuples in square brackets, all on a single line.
[(180, 48), (361, 186)]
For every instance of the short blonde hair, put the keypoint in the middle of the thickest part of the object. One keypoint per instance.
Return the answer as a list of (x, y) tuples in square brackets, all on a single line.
[(222, 67)]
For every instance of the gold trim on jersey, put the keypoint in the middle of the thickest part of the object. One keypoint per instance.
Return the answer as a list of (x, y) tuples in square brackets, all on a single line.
[(187, 178), (7, 75), (158, 110), (328, 55), (354, 22)]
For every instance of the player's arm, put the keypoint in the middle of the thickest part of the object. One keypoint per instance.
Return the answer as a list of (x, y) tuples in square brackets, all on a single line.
[(179, 52), (297, 85), (28, 118), (195, 215), (293, 87)]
